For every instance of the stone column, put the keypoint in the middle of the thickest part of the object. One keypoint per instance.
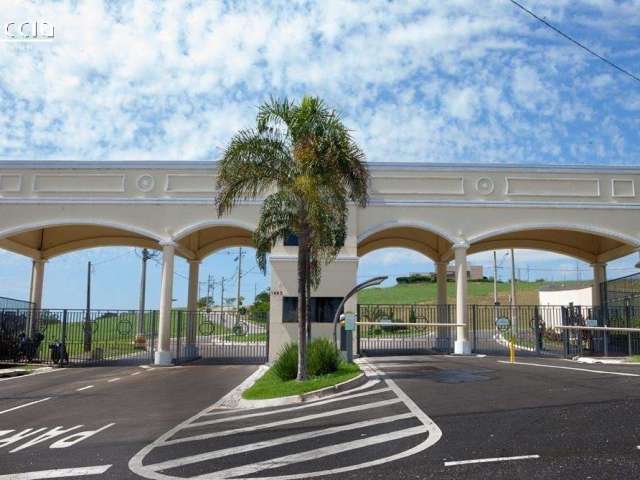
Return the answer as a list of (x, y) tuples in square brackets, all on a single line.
[(163, 353), (37, 282), (443, 337), (191, 349), (462, 345), (35, 295), (599, 276)]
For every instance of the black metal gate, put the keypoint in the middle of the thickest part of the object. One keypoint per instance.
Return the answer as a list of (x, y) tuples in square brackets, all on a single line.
[(78, 337), (220, 336), (69, 337), (405, 329)]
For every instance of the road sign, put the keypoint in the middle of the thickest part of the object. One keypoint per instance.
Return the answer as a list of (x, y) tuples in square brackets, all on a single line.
[(503, 324), (349, 321)]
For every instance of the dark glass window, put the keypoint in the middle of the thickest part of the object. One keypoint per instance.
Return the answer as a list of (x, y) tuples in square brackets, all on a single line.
[(291, 240), (323, 309)]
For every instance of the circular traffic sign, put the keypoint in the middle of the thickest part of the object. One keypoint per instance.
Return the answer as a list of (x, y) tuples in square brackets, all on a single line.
[(503, 324)]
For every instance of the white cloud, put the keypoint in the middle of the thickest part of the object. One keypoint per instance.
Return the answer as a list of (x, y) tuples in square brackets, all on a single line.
[(418, 80)]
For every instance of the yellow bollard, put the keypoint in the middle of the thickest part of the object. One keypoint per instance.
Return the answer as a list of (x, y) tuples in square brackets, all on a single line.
[(512, 351)]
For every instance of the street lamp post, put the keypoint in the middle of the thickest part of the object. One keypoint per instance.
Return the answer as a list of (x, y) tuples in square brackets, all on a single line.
[(369, 283)]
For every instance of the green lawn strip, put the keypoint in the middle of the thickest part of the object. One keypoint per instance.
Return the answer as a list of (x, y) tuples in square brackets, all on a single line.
[(480, 293), (633, 359), (270, 386)]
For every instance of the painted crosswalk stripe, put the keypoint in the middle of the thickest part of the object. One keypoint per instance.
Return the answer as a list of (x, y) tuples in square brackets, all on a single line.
[(289, 409), (490, 460), (315, 453), (289, 421), (25, 405), (180, 462), (59, 473)]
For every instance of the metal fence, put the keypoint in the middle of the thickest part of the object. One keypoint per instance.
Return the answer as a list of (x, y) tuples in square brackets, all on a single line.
[(532, 330), (69, 337), (6, 302)]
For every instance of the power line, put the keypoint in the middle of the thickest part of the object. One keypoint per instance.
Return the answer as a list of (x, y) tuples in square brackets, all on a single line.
[(576, 42)]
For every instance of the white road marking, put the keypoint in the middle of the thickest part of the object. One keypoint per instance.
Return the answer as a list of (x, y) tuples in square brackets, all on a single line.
[(25, 405), (84, 388), (60, 473), (313, 454), (135, 373), (490, 460), (179, 462), (113, 380), (224, 433), (622, 374), (289, 409), (428, 426)]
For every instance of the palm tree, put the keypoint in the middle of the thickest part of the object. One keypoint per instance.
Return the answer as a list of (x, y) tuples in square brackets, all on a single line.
[(303, 158)]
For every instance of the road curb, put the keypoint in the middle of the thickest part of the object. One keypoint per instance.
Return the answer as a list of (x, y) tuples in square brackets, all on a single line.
[(23, 372), (305, 397), (604, 361)]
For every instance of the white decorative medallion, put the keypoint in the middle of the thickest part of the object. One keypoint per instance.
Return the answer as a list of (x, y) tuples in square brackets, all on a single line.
[(485, 186), (145, 183)]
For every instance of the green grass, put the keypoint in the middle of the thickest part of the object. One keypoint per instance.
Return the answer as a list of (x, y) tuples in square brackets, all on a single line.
[(480, 293), (270, 386), (634, 359)]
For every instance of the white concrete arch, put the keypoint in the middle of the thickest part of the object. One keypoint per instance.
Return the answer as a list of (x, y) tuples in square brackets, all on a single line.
[(185, 231), (421, 237), (582, 228), (426, 226), (68, 222)]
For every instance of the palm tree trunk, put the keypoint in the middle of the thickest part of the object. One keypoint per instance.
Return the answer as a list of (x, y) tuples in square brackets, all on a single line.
[(303, 255), (308, 294)]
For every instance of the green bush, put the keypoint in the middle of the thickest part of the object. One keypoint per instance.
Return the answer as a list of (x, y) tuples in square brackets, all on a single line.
[(322, 357), (286, 366)]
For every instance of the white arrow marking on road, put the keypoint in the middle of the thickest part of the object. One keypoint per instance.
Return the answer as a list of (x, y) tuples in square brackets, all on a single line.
[(490, 460), (60, 473), (25, 405)]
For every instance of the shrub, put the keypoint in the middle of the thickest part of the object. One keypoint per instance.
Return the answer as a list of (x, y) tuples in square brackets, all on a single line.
[(286, 366), (322, 357)]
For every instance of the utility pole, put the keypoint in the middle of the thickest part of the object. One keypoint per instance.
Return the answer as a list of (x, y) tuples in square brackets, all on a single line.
[(222, 295), (87, 318), (513, 288), (240, 253), (141, 341), (495, 278)]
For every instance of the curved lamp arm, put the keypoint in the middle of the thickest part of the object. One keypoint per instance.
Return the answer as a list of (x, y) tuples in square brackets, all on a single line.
[(369, 283)]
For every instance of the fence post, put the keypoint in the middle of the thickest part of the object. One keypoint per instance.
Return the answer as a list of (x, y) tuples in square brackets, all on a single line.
[(474, 312), (153, 333), (627, 314), (536, 328), (63, 339), (178, 335), (358, 338)]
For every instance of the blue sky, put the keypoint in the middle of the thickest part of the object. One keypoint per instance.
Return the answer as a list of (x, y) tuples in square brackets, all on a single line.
[(428, 80)]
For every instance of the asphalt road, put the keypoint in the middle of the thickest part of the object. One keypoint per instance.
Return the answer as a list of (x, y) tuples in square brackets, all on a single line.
[(430, 417), (134, 405)]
